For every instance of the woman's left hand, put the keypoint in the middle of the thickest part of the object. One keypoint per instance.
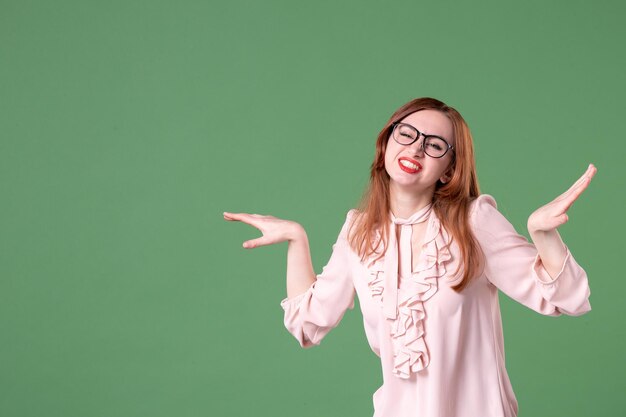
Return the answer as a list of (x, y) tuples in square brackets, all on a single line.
[(554, 214)]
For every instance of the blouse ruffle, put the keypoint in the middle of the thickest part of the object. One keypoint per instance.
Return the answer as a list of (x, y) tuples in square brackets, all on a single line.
[(410, 351)]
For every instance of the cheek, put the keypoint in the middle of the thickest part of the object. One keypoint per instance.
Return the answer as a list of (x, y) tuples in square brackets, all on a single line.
[(388, 156), (439, 169), (448, 170), (387, 162)]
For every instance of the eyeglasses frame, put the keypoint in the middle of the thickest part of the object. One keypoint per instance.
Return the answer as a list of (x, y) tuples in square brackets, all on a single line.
[(393, 129)]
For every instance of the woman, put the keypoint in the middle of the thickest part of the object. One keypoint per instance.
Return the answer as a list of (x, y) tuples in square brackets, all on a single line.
[(426, 254)]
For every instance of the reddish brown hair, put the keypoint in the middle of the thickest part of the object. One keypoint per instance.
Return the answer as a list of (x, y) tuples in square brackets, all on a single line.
[(451, 200)]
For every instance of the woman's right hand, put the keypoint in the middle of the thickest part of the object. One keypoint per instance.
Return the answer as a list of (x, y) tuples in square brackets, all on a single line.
[(274, 230)]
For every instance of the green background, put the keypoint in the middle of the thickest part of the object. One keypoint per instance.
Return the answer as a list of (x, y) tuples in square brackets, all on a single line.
[(128, 127)]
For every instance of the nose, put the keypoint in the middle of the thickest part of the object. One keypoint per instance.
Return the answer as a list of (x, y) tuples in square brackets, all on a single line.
[(418, 146)]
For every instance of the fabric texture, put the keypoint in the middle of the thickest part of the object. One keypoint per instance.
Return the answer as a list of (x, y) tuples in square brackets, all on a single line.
[(442, 352)]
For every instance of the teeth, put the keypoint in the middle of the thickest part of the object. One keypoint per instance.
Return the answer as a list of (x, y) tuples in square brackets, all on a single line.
[(408, 164)]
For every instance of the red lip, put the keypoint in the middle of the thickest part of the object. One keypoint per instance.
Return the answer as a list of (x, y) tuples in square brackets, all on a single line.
[(407, 169)]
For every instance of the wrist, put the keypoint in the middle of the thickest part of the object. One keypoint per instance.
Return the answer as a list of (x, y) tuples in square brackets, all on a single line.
[(535, 230), (547, 241), (296, 233)]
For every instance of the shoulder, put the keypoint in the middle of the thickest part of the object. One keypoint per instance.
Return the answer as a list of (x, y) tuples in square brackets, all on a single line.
[(351, 213), (352, 216), (482, 210), (487, 222), (483, 201)]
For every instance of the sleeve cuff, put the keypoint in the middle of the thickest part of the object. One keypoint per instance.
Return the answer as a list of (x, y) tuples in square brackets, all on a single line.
[(542, 275), (289, 303)]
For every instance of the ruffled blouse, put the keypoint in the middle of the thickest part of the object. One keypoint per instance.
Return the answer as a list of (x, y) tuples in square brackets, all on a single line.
[(410, 351), (442, 353)]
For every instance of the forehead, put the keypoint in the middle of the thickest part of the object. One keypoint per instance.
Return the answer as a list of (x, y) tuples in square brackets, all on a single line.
[(431, 122)]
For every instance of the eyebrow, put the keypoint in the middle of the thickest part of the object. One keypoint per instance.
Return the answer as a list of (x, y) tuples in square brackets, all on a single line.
[(425, 134)]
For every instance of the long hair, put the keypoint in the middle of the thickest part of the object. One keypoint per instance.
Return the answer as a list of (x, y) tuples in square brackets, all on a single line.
[(451, 200)]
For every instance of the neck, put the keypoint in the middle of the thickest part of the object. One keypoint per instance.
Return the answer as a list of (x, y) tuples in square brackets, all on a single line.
[(404, 203)]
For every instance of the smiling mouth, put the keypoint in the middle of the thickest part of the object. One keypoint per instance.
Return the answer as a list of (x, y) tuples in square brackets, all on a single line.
[(408, 166)]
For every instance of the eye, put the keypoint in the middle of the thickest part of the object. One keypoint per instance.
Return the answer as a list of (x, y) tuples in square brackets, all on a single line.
[(434, 145)]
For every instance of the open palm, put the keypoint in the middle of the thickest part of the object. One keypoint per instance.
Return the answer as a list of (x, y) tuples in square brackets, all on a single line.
[(274, 230), (554, 214)]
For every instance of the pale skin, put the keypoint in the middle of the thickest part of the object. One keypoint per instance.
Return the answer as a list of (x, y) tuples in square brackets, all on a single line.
[(407, 195)]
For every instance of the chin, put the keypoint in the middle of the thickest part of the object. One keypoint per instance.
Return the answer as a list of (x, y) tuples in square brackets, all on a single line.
[(404, 184)]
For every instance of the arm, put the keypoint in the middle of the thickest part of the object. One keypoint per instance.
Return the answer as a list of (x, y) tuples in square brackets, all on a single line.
[(317, 309), (300, 274), (542, 224), (551, 249), (315, 304), (514, 265)]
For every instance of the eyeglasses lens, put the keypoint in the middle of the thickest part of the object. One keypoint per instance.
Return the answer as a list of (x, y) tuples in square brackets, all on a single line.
[(406, 135)]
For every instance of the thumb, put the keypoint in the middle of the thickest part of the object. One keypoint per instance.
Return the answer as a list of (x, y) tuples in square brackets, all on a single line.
[(250, 244)]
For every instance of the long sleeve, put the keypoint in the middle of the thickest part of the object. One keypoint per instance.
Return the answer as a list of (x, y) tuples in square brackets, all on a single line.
[(311, 315), (513, 265)]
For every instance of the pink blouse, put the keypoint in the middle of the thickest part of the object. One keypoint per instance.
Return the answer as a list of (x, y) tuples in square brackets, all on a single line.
[(442, 353)]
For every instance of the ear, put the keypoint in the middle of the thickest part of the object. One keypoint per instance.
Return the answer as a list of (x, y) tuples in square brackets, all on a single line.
[(447, 176)]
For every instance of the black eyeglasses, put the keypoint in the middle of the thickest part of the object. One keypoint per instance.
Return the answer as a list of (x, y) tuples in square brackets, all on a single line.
[(433, 145)]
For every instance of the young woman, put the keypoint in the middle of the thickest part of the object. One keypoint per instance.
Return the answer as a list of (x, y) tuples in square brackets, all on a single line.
[(426, 254)]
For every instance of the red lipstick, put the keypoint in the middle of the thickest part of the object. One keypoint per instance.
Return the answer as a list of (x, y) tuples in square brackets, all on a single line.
[(410, 170)]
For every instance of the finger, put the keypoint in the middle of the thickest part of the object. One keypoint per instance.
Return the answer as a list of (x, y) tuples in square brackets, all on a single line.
[(588, 175), (579, 190), (554, 222), (573, 195), (254, 243), (232, 216), (583, 181), (592, 170), (562, 219), (243, 217), (585, 178), (579, 181)]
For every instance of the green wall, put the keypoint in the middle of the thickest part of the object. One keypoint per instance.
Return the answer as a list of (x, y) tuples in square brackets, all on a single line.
[(127, 128)]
